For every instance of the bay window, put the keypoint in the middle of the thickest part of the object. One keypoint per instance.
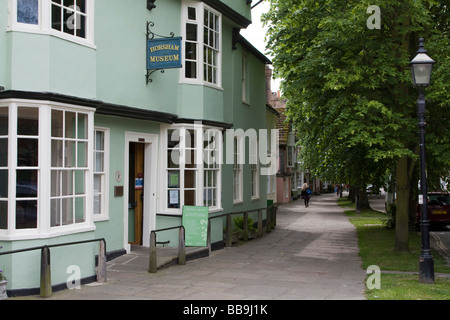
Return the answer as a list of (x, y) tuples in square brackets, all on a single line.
[(71, 20), (192, 173), (202, 43), (45, 168)]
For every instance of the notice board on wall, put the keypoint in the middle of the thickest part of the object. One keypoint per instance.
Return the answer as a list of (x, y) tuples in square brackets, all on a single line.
[(195, 223)]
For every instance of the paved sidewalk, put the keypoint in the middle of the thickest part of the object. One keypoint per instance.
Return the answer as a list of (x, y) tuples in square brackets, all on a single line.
[(311, 254)]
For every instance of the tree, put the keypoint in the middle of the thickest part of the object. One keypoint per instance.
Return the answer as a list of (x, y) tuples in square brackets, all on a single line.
[(349, 87)]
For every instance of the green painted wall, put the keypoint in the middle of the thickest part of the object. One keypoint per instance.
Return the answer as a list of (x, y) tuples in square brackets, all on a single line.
[(114, 72)]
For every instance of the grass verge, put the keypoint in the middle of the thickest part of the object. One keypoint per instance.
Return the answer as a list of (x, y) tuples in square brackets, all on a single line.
[(376, 245)]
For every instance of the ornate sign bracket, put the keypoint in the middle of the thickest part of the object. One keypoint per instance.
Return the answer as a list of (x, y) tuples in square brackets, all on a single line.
[(151, 36)]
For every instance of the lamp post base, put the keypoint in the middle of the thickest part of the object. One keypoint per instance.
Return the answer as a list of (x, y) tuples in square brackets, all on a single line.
[(426, 267)]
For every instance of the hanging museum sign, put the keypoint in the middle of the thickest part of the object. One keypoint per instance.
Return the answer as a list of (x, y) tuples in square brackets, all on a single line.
[(164, 53)]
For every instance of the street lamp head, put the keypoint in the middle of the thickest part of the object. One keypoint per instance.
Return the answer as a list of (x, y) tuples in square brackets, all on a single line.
[(421, 67)]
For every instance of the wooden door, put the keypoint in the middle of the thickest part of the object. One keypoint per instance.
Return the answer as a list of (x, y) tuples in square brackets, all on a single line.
[(137, 188)]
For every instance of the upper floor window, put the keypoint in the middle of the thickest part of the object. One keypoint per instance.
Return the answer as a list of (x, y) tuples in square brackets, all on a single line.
[(202, 42), (68, 19)]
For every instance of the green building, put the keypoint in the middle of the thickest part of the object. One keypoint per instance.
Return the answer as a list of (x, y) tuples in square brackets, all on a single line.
[(107, 110)]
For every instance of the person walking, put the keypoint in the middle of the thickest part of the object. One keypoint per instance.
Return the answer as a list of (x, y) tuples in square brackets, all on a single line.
[(306, 194)]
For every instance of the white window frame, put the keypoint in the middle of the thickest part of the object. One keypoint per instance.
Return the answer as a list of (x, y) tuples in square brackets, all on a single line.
[(254, 169), (199, 21), (245, 79), (104, 193), (44, 229), (238, 169), (44, 25), (290, 161), (200, 169)]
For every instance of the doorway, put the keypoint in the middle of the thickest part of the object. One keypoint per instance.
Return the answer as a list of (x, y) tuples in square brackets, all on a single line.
[(140, 184), (136, 158)]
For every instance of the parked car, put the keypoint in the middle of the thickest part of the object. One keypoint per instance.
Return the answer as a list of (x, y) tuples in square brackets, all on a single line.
[(438, 209)]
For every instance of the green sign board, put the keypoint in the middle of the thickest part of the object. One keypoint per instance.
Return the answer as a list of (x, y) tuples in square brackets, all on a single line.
[(195, 223)]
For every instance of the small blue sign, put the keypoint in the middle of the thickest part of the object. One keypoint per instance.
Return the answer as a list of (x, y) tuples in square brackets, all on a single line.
[(164, 53)]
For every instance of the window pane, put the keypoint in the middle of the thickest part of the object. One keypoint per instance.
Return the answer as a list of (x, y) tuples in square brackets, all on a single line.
[(173, 179), (28, 11), (99, 140), (67, 211), (97, 204), (27, 152), (189, 197), (191, 14), (56, 17), (80, 209), (173, 138), (79, 182), (81, 26), (82, 126), (99, 162), (3, 215), (189, 178), (67, 183), (4, 184), (26, 184), (55, 208), (97, 183), (82, 155), (57, 124), (69, 21), (173, 199), (68, 3), (28, 121), (3, 152), (70, 124), (191, 32), (26, 214), (191, 70), (173, 159), (81, 5), (4, 124), (191, 50), (57, 153), (190, 139), (70, 154), (190, 159), (205, 35), (55, 183)]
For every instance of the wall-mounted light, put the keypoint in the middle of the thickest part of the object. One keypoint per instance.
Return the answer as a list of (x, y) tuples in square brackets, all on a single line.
[(151, 4)]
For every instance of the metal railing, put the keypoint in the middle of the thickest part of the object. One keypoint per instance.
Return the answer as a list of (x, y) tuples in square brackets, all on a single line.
[(153, 266), (270, 224), (45, 275)]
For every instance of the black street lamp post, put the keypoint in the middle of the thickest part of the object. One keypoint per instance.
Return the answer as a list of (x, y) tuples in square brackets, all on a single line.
[(421, 67)]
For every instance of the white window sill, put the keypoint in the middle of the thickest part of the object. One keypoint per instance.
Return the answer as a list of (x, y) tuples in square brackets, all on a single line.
[(35, 235), (60, 35)]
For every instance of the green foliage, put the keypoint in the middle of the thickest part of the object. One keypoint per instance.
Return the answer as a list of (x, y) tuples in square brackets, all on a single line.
[(349, 88), (389, 220), (239, 224)]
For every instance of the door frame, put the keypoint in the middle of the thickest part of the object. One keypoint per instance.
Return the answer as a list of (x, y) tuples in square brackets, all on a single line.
[(150, 184)]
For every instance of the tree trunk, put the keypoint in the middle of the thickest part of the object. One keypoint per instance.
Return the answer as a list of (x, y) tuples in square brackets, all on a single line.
[(364, 199), (402, 212)]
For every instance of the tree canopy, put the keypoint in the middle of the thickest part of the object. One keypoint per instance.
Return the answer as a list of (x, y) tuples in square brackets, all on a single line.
[(349, 90)]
